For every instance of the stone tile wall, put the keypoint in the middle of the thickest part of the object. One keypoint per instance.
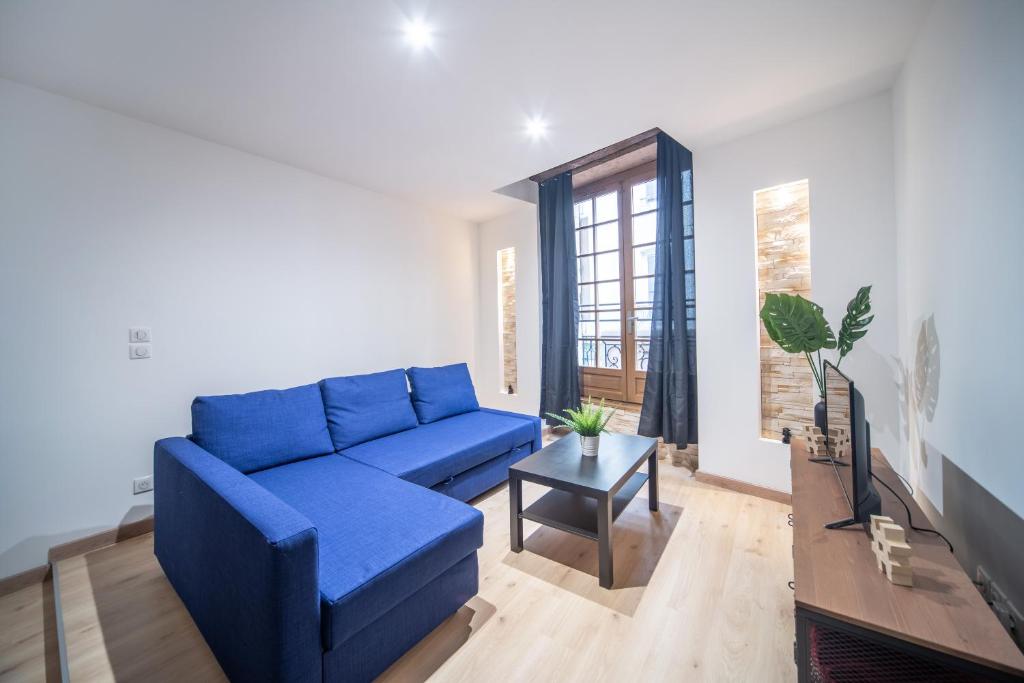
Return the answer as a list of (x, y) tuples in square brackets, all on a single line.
[(507, 264), (788, 391)]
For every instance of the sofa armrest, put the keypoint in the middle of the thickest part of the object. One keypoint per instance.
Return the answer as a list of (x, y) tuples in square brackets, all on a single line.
[(538, 442), (243, 561)]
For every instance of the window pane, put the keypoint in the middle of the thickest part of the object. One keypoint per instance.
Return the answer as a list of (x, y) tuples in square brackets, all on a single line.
[(584, 213), (609, 354), (588, 326), (643, 291), (687, 185), (688, 220), (688, 254), (586, 296), (643, 323), (609, 325), (608, 266), (643, 260), (645, 196), (607, 236), (608, 295), (645, 228), (585, 269), (584, 241), (643, 348), (607, 207), (587, 349)]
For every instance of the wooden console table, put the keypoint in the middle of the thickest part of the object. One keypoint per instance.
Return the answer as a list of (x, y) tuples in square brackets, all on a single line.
[(853, 624)]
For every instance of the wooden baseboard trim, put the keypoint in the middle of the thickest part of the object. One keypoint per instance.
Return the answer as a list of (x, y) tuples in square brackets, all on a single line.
[(24, 579), (101, 539), (743, 487)]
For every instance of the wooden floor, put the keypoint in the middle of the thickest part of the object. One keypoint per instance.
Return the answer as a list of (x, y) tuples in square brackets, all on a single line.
[(700, 594), (28, 636)]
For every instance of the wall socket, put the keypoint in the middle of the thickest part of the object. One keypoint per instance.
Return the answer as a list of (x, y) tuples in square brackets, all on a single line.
[(142, 484), (1005, 610)]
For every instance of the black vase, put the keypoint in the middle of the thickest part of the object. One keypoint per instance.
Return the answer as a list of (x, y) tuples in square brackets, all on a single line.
[(819, 416)]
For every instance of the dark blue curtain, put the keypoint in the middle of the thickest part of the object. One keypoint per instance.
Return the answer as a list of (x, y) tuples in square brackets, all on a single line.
[(670, 395), (559, 365)]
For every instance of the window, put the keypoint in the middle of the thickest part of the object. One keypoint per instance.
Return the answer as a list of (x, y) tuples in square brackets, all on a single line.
[(784, 265), (507, 318)]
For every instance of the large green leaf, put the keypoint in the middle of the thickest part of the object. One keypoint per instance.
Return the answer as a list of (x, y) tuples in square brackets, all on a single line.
[(796, 324), (856, 321)]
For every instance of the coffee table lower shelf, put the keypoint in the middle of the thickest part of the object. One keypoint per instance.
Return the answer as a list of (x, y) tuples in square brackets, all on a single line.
[(577, 514)]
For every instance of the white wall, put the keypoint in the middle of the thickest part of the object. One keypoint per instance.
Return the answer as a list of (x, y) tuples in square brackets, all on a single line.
[(960, 173), (250, 273), (846, 154), (516, 229)]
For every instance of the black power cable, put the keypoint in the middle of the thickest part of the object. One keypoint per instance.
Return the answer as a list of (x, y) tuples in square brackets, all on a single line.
[(910, 520)]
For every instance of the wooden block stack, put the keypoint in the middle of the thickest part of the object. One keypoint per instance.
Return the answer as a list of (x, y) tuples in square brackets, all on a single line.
[(840, 441), (892, 551), (816, 444), (819, 446)]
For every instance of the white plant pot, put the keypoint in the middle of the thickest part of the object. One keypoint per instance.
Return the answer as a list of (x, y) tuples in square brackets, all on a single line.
[(590, 445)]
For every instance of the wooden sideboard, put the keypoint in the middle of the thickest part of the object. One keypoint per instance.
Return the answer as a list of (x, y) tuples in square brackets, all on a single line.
[(872, 629)]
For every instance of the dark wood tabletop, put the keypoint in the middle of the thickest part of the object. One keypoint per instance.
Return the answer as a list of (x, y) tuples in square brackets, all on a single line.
[(561, 463)]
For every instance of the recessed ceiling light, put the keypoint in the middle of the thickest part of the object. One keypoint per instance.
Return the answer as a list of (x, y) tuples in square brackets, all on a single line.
[(418, 33), (536, 127)]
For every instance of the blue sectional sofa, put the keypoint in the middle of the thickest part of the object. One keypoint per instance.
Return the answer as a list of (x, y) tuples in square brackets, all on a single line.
[(317, 533)]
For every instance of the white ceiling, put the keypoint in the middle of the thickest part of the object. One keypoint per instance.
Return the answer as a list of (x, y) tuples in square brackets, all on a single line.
[(329, 85)]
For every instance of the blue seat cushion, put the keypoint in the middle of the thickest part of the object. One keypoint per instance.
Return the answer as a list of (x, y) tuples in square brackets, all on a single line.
[(364, 407), (262, 429), (441, 392), (380, 539), (433, 452)]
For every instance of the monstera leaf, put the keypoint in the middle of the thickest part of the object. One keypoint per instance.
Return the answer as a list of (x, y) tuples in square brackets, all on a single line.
[(856, 321), (796, 324)]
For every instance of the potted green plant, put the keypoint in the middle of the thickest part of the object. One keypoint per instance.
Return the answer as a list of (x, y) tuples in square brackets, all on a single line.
[(589, 421), (798, 325)]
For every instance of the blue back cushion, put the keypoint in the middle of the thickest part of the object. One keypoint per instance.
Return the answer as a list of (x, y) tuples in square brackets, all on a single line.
[(364, 407), (263, 429), (441, 392)]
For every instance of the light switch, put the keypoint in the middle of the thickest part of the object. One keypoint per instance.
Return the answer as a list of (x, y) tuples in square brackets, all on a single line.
[(139, 335), (140, 351)]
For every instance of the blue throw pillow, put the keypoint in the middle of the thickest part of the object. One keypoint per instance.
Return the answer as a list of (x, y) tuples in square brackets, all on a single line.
[(441, 392), (365, 407), (263, 429)]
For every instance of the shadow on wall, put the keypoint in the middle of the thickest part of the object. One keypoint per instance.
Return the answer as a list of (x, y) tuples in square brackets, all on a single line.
[(38, 547), (918, 393)]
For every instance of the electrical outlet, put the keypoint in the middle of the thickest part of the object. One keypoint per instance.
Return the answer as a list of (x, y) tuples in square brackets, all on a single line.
[(140, 351), (139, 335), (142, 484), (1005, 610)]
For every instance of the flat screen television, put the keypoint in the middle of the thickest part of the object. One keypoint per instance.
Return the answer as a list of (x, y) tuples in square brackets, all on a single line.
[(848, 444)]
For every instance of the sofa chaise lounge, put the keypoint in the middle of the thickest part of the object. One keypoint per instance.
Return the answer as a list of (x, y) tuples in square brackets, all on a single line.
[(317, 533)]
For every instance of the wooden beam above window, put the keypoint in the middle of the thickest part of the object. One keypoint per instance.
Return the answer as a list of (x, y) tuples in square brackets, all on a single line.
[(600, 156)]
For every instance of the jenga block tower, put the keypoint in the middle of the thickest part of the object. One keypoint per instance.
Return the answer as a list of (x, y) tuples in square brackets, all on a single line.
[(839, 437), (892, 552), (816, 442)]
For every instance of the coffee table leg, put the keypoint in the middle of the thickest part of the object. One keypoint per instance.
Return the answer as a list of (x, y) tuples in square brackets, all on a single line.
[(652, 481), (604, 541), (515, 507)]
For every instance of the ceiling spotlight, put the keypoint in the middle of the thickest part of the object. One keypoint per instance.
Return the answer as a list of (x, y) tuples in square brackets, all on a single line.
[(536, 127), (418, 34)]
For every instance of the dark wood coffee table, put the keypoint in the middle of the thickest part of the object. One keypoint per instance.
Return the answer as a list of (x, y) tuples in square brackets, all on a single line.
[(588, 493)]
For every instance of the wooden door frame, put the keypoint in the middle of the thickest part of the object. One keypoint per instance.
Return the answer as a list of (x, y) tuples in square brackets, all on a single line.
[(621, 182)]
